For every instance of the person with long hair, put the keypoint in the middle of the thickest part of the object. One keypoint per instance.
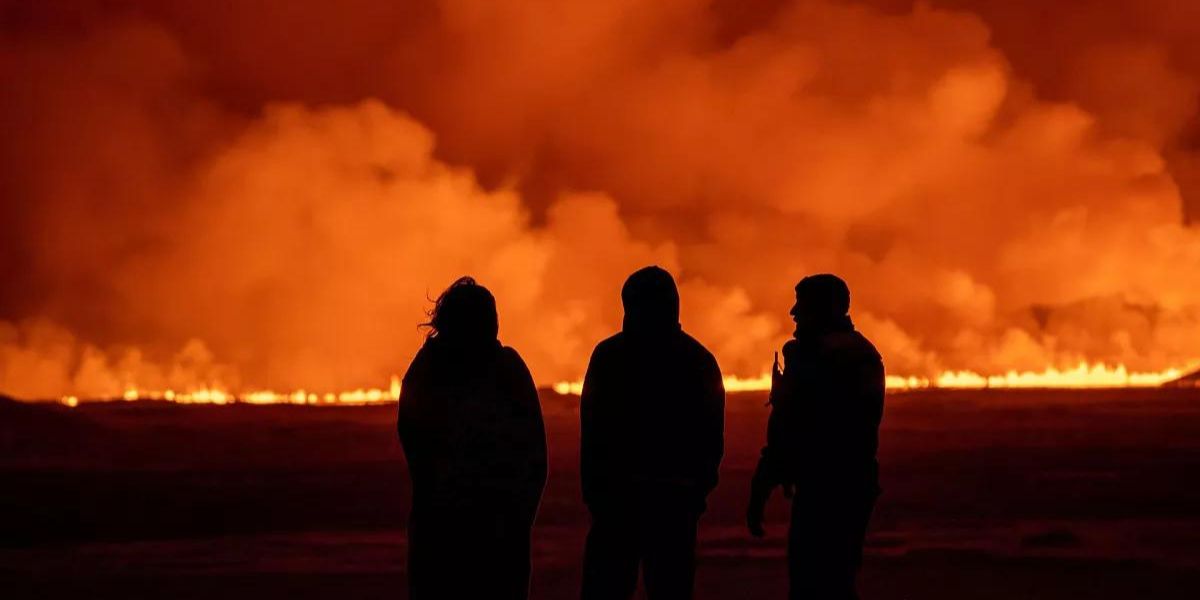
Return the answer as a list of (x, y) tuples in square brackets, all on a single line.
[(471, 426)]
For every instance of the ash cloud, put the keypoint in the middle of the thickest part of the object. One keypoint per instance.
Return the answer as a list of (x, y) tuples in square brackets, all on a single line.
[(265, 194)]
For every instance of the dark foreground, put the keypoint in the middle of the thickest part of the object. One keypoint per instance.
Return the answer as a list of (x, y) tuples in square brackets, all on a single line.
[(1030, 495)]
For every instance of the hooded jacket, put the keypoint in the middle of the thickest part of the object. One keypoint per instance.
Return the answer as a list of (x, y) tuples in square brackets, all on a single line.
[(652, 411)]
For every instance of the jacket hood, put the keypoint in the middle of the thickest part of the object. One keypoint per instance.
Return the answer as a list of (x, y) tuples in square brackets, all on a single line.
[(651, 301)]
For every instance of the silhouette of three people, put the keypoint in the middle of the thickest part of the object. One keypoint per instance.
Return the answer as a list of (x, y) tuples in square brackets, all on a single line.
[(652, 437)]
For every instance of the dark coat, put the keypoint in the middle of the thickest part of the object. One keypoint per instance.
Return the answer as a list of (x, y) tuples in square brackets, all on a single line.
[(824, 425), (471, 426), (652, 417)]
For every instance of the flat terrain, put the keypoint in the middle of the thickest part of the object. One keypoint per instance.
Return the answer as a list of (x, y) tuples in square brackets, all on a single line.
[(988, 494)]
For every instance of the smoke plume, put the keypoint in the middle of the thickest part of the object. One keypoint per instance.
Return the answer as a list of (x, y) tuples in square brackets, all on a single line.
[(266, 194)]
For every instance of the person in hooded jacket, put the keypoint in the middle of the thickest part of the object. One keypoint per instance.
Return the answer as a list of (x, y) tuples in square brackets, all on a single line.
[(822, 438), (652, 426), (471, 426)]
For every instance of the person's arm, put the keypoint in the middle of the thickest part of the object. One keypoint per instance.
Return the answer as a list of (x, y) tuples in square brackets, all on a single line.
[(869, 399), (771, 464), (877, 388), (412, 426), (762, 483), (784, 405), (714, 424), (531, 439), (593, 388)]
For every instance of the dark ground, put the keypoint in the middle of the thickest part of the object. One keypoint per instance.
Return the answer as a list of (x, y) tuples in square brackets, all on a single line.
[(989, 495)]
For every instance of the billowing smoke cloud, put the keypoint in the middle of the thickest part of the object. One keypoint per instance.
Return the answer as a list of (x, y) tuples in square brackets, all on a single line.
[(267, 195)]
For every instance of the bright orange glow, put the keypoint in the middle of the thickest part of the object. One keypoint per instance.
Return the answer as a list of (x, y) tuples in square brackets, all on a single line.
[(256, 204), (1083, 375), (574, 388), (219, 395)]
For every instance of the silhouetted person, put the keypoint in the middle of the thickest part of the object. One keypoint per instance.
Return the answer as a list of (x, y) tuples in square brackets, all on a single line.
[(471, 426), (652, 419), (822, 437)]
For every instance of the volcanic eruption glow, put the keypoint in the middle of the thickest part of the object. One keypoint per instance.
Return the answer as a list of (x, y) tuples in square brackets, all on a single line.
[(217, 395), (214, 203), (1082, 376)]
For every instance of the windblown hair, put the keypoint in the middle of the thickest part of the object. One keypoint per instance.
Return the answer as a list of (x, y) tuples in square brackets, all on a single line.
[(465, 311)]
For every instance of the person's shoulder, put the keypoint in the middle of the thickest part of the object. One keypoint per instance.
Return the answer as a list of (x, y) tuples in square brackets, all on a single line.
[(509, 355), (796, 351), (420, 363), (423, 353), (612, 343), (696, 348), (849, 345)]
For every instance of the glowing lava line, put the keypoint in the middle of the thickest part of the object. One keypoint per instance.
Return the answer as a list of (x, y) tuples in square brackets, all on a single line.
[(217, 395), (1083, 376)]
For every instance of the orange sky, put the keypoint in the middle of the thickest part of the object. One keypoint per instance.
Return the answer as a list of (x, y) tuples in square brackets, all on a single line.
[(265, 193)]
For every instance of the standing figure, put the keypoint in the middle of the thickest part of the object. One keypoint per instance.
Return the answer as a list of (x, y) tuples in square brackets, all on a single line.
[(471, 426), (652, 418), (822, 437)]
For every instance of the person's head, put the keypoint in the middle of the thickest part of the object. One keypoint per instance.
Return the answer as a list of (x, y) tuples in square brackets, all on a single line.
[(820, 300), (466, 311), (651, 299)]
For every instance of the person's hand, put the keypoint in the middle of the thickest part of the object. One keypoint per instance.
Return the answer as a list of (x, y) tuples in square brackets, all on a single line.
[(761, 485), (776, 381), (754, 521)]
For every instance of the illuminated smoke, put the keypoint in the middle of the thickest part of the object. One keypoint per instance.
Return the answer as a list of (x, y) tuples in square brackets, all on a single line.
[(259, 197)]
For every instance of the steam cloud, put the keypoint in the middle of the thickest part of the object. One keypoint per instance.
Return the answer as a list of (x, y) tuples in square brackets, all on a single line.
[(266, 194)]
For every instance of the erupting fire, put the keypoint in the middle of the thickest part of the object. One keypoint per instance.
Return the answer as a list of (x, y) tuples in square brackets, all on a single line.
[(215, 204), (1082, 376), (217, 395)]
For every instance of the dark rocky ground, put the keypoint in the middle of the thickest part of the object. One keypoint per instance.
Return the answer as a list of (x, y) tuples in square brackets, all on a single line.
[(989, 494)]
